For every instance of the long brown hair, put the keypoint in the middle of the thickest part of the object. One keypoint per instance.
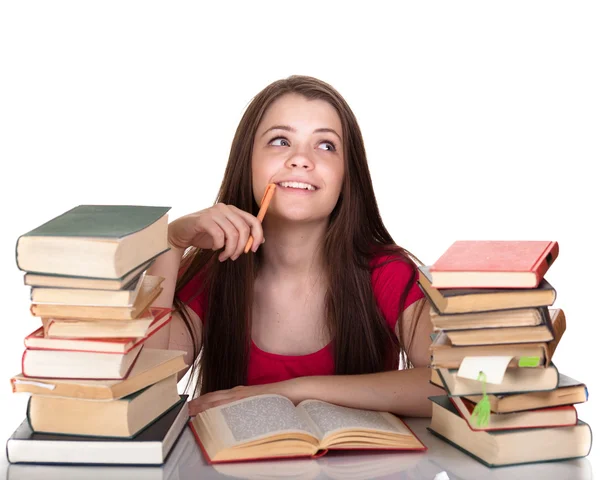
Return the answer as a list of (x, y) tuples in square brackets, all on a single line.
[(362, 341)]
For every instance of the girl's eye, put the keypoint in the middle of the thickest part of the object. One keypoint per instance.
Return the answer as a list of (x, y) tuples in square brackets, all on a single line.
[(279, 142), (330, 147)]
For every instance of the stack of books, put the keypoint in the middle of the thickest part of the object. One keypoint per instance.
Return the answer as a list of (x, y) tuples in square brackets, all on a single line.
[(494, 337), (96, 394)]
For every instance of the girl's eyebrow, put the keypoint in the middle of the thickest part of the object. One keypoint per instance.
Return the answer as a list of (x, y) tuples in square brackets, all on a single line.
[(293, 130)]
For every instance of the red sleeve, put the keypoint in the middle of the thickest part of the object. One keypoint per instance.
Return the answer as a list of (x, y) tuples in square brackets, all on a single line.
[(390, 282), (192, 295)]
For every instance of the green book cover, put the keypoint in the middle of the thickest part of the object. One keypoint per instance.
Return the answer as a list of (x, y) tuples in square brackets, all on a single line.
[(103, 221)]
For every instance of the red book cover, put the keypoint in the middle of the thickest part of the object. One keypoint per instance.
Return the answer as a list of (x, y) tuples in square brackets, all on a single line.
[(561, 416), (493, 264), (37, 341)]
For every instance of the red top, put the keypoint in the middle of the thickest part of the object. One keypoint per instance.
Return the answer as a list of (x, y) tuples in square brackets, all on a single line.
[(389, 282)]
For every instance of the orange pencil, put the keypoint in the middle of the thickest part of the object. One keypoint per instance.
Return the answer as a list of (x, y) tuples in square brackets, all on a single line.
[(264, 204)]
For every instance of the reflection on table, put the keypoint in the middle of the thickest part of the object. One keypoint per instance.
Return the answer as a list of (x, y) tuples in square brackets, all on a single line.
[(187, 462)]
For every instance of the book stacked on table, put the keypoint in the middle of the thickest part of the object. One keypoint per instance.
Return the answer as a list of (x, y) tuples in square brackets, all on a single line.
[(97, 395), (495, 334)]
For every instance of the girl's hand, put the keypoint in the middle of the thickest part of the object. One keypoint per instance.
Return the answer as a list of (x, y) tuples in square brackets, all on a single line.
[(220, 226), (221, 397), (288, 388)]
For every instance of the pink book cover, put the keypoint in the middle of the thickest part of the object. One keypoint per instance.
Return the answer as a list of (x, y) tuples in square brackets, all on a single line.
[(524, 256)]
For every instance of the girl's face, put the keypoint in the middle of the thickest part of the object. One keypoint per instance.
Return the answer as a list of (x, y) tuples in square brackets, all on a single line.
[(298, 146)]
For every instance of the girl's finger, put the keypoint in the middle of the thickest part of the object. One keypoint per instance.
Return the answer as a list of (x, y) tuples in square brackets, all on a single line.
[(231, 235), (240, 222), (216, 233), (255, 225)]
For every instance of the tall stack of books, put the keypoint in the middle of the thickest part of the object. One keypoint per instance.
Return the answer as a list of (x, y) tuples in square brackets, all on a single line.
[(494, 337), (97, 395)]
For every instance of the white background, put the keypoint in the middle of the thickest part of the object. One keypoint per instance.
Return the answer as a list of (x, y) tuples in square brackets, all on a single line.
[(481, 121)]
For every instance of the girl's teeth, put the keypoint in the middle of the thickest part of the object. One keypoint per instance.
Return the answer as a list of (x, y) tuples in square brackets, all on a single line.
[(303, 186)]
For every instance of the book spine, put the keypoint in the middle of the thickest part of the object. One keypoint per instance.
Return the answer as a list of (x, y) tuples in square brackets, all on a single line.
[(558, 328), (23, 363), (28, 414), (17, 254), (546, 355), (545, 261)]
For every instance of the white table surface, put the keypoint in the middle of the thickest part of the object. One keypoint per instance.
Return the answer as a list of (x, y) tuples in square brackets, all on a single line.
[(187, 462)]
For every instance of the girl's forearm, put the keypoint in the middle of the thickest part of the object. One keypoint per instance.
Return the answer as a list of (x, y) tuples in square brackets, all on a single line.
[(166, 266), (403, 392)]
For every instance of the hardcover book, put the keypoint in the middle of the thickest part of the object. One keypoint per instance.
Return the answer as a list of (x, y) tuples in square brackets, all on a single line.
[(90, 297), (469, 300), (148, 447), (568, 392), (66, 281), (270, 426), (551, 329), (493, 264), (540, 418), (516, 317), (74, 364), (509, 447), (151, 366), (99, 336), (150, 290), (124, 417), (103, 241), (520, 379)]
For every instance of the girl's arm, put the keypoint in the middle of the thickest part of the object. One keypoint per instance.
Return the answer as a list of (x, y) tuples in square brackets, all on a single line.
[(403, 392), (174, 335), (166, 266)]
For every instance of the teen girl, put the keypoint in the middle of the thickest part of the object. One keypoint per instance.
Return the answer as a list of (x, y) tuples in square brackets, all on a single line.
[(325, 305)]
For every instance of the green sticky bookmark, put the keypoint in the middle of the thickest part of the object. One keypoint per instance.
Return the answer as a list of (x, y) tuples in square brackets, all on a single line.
[(529, 361), (481, 412)]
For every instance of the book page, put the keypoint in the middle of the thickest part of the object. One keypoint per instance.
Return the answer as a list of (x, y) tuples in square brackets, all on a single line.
[(261, 416), (330, 418)]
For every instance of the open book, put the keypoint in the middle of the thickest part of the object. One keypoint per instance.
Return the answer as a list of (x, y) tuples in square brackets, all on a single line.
[(270, 426)]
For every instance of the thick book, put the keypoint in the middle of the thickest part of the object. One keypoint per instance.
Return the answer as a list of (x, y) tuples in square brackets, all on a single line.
[(518, 317), (148, 447), (469, 300), (568, 392), (104, 241), (540, 418), (493, 264), (502, 335), (520, 379), (124, 417), (180, 463), (66, 281), (101, 336), (491, 336), (89, 297), (151, 366), (67, 329), (509, 447), (150, 290), (75, 364), (271, 426), (445, 355)]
